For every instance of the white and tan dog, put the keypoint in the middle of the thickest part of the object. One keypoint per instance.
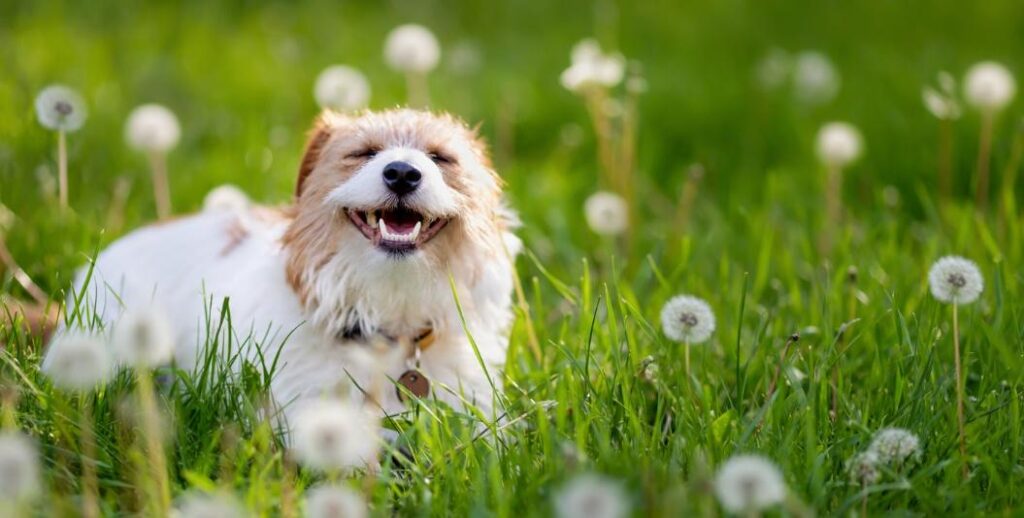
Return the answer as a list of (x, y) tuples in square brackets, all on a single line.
[(391, 209)]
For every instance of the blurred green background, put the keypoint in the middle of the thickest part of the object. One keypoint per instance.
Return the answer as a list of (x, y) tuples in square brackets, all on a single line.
[(240, 77)]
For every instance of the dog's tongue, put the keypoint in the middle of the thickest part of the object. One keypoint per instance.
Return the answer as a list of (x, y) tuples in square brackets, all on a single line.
[(401, 221)]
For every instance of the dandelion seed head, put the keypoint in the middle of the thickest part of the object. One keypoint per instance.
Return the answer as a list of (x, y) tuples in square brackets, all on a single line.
[(591, 68), (143, 338), (78, 361), (894, 446), (940, 105), (606, 213), (591, 496), (226, 197), (60, 108), (839, 144), (749, 483), (412, 48), (815, 79), (863, 467), (341, 88), (19, 467), (201, 505), (687, 319), (152, 128), (989, 86), (774, 69), (955, 280), (334, 435), (335, 502)]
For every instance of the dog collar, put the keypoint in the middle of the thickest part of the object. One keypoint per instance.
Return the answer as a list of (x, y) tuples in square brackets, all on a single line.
[(412, 380)]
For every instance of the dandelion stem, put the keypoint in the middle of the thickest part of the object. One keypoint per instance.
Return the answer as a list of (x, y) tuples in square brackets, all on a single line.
[(62, 168), (864, 499), (90, 484), (984, 150), (161, 190), (778, 369), (945, 159), (686, 359), (833, 207), (959, 391), (154, 445), (417, 89)]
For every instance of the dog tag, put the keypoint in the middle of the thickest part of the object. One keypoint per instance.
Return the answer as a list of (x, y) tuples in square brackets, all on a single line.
[(415, 382)]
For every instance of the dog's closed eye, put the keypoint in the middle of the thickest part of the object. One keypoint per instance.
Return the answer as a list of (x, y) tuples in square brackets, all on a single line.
[(363, 154), (440, 158)]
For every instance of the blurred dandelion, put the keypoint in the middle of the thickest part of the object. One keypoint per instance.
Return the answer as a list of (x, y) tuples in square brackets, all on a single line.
[(201, 505), (592, 74), (815, 79), (335, 502), (465, 58), (688, 320), (989, 87), (591, 496), (153, 129), (955, 280), (774, 69), (606, 213), (143, 338), (894, 446), (342, 88), (19, 468), (413, 50), (943, 104), (334, 436), (226, 197), (591, 68), (61, 109), (749, 484), (78, 361), (838, 145), (863, 470)]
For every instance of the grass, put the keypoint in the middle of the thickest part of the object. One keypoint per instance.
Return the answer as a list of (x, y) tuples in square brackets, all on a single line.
[(240, 78)]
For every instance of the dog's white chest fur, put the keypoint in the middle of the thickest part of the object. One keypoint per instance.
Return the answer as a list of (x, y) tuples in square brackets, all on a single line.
[(187, 267)]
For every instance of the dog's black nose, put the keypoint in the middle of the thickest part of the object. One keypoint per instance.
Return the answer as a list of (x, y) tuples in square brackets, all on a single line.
[(401, 177)]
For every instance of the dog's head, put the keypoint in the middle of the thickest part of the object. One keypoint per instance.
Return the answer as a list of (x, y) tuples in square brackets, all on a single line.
[(390, 201)]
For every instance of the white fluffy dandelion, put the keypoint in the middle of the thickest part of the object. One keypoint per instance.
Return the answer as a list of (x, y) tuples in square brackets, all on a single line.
[(606, 213), (143, 338), (687, 319), (863, 467), (749, 483), (838, 144), (19, 467), (333, 435), (200, 505), (989, 86), (774, 69), (78, 361), (226, 197), (591, 496), (152, 128), (815, 79), (591, 67), (412, 48), (335, 502), (894, 446), (955, 280), (342, 88), (942, 102), (60, 108)]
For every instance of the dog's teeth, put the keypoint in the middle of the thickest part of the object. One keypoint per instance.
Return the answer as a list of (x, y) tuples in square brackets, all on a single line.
[(371, 219), (383, 228), (415, 231)]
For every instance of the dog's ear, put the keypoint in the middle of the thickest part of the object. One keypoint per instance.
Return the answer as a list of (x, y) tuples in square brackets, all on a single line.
[(318, 137)]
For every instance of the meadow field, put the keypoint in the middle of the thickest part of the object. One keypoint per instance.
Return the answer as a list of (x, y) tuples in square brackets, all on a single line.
[(707, 131)]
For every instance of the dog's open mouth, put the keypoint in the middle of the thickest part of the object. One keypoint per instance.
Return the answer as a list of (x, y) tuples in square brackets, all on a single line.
[(397, 229)]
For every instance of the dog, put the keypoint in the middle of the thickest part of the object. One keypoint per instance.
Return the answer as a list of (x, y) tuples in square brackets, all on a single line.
[(399, 234)]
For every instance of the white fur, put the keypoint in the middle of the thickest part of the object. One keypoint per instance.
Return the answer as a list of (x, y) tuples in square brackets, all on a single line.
[(186, 267), (365, 189)]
